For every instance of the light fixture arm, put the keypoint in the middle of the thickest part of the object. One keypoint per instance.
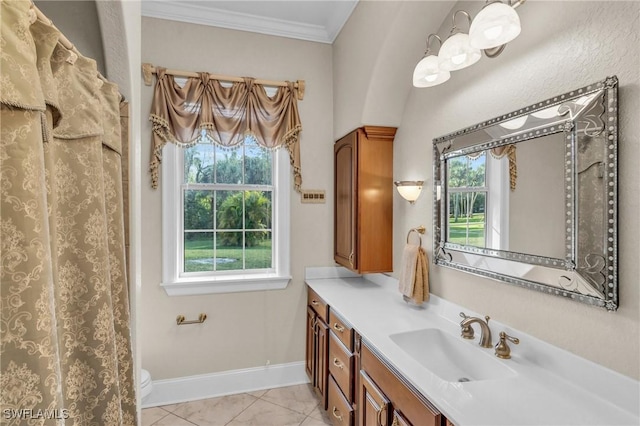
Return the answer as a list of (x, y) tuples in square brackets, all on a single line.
[(426, 53), (453, 19)]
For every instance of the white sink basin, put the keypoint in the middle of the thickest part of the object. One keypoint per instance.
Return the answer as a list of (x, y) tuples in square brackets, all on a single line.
[(450, 358)]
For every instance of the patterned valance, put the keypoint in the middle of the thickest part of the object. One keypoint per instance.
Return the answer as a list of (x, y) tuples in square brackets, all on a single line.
[(508, 151), (205, 110)]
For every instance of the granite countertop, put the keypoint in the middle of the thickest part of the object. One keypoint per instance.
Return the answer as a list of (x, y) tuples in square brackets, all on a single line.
[(550, 386)]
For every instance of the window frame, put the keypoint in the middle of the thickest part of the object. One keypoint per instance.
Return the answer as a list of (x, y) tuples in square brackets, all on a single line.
[(175, 283), (496, 191)]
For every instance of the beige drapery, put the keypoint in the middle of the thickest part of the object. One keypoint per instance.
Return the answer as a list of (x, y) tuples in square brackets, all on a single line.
[(64, 331), (205, 110), (508, 151)]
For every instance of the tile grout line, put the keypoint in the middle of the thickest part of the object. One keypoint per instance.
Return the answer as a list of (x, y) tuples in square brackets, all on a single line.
[(289, 408), (245, 409), (167, 413)]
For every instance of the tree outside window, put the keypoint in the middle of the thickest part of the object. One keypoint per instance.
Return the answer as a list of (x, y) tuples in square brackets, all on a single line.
[(467, 193), (227, 208)]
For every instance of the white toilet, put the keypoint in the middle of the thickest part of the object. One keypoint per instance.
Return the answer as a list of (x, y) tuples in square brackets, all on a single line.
[(146, 384)]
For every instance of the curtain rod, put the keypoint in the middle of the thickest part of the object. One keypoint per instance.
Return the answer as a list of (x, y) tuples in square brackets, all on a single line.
[(149, 69), (64, 40)]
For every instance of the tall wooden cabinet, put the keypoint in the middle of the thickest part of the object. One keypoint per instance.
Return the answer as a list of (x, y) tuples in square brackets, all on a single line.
[(363, 188)]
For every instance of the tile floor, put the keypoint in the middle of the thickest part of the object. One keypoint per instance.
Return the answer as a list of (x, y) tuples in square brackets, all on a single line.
[(288, 406)]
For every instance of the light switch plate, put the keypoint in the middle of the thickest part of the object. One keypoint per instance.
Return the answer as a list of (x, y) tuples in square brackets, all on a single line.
[(314, 196)]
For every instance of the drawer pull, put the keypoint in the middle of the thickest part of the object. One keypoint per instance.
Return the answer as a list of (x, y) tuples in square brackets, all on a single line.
[(336, 413), (337, 327), (315, 303), (338, 364), (379, 414)]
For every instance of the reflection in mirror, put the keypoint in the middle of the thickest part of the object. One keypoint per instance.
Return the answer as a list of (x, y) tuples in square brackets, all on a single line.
[(530, 197)]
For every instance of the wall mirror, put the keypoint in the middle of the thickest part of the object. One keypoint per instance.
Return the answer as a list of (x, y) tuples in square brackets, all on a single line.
[(530, 197)]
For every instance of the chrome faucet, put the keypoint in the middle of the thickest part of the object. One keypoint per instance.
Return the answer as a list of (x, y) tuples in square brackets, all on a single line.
[(485, 331)]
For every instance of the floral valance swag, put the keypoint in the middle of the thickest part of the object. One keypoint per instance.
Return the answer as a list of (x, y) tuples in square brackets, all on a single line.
[(205, 110), (508, 151)]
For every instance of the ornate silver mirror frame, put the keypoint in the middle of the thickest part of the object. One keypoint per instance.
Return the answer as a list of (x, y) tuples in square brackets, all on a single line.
[(583, 125)]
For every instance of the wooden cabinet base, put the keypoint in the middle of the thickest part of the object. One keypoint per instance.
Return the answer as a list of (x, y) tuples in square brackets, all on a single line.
[(415, 409)]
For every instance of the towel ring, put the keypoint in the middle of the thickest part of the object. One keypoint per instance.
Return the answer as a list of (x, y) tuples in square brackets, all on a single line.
[(419, 230)]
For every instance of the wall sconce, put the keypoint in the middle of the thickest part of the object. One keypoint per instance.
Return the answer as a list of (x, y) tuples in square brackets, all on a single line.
[(409, 189), (495, 25)]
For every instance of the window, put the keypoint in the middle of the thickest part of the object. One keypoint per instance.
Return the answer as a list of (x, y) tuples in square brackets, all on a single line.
[(478, 191), (467, 202), (225, 219)]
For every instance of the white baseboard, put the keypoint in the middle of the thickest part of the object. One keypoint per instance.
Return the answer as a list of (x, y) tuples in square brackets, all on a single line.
[(191, 388)]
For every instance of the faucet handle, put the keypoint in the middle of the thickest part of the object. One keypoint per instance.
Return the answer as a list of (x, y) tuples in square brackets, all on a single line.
[(502, 349), (466, 330)]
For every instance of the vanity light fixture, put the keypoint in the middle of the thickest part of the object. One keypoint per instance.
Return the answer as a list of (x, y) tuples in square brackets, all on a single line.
[(547, 112), (427, 72), (495, 25), (456, 53), (514, 123), (409, 189)]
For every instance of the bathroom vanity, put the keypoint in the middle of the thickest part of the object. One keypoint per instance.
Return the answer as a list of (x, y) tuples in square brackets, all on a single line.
[(387, 363)]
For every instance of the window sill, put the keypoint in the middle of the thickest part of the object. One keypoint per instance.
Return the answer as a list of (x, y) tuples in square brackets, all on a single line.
[(226, 284)]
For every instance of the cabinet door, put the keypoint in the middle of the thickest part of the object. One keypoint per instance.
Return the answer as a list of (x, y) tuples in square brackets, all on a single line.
[(345, 155), (373, 405), (321, 352), (310, 347)]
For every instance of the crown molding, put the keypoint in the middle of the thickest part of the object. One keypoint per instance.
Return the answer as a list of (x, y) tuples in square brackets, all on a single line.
[(212, 16)]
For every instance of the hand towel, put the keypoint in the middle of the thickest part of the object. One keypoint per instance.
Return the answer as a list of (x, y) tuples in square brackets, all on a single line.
[(414, 275), (421, 286), (408, 269)]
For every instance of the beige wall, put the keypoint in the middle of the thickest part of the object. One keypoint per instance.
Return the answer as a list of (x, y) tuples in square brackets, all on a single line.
[(563, 46), (78, 21), (243, 329)]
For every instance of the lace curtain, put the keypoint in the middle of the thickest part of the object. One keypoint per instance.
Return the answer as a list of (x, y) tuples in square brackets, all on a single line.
[(205, 110), (65, 331)]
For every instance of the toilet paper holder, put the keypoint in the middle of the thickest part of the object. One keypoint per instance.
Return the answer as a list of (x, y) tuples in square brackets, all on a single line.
[(180, 320)]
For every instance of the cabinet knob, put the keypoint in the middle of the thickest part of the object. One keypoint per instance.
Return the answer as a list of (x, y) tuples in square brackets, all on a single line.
[(337, 327), (338, 364), (351, 258)]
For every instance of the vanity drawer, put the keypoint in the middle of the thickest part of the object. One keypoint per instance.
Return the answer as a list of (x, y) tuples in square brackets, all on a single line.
[(317, 304), (341, 329), (340, 365), (339, 410)]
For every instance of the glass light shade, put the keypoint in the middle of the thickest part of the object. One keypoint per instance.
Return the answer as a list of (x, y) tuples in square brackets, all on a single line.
[(547, 112), (514, 123), (409, 189), (427, 72), (456, 53), (494, 26)]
